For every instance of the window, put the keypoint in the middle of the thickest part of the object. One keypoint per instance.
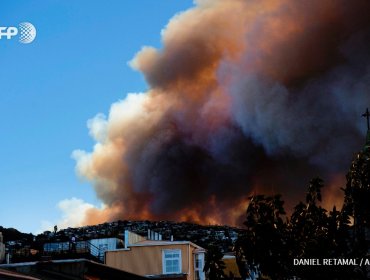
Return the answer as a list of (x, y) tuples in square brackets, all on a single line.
[(171, 260), (198, 266), (198, 262)]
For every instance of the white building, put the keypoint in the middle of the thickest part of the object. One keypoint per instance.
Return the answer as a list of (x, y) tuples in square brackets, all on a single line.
[(99, 246), (96, 247)]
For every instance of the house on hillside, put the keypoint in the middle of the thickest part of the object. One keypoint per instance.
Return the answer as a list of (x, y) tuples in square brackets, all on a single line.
[(158, 259)]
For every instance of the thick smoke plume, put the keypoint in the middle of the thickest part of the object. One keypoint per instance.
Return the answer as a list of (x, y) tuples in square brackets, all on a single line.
[(244, 96)]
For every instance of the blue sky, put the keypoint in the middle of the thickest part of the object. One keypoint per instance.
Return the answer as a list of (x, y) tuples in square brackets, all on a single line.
[(75, 68)]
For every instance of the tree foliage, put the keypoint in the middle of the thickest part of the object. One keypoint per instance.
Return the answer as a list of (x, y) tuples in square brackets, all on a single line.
[(272, 241), (214, 266), (264, 238)]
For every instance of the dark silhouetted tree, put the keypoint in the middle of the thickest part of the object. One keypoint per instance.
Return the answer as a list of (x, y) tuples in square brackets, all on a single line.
[(263, 243), (214, 265), (356, 202), (309, 225), (269, 244)]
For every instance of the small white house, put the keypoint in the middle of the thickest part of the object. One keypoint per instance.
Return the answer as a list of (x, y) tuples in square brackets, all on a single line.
[(56, 247), (99, 246), (96, 247)]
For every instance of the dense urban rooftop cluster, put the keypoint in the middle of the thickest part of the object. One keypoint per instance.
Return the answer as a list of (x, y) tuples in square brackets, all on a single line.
[(223, 237)]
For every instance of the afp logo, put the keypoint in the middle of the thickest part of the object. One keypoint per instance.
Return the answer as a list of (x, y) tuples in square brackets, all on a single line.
[(25, 30)]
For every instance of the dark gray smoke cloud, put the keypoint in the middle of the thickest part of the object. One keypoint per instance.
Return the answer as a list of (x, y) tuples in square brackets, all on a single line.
[(245, 96)]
